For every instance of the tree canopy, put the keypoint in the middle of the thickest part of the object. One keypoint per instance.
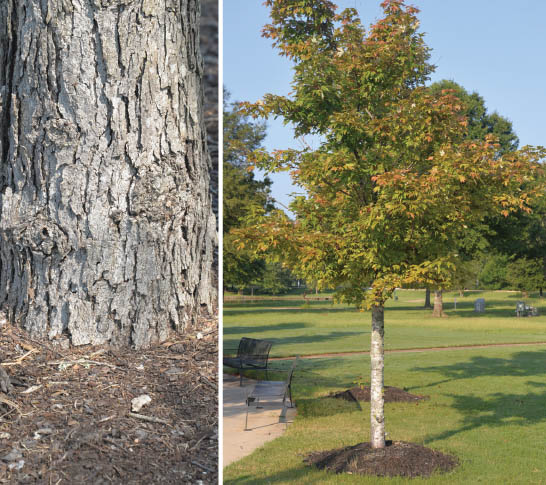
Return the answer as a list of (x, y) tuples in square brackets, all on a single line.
[(395, 184)]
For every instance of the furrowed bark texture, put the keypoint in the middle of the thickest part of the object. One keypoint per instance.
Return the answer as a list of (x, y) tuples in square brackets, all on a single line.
[(106, 228), (377, 397)]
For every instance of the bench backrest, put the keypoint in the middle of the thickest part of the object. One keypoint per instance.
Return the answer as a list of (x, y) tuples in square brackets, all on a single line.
[(291, 371), (253, 348)]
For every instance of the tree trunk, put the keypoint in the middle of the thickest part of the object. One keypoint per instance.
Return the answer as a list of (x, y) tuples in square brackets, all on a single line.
[(438, 304), (427, 298), (106, 228), (377, 357)]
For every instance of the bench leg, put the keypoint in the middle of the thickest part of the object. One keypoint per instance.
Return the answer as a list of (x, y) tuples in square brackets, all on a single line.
[(246, 418), (248, 401)]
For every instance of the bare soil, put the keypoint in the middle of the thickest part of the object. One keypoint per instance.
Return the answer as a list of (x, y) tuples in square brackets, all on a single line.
[(398, 458), (392, 394)]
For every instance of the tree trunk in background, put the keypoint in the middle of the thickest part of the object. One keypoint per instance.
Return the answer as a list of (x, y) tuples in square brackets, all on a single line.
[(438, 304), (427, 298), (377, 357), (106, 228)]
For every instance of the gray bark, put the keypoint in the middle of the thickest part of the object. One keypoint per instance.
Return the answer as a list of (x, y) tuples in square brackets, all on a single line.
[(438, 310), (106, 228), (377, 397)]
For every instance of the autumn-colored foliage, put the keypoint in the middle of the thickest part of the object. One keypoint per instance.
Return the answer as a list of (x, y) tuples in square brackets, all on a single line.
[(394, 184)]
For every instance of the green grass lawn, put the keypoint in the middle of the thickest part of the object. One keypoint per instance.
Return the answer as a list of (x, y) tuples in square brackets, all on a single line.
[(320, 326), (487, 407)]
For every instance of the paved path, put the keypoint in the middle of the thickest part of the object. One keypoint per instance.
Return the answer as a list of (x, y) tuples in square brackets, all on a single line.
[(264, 424)]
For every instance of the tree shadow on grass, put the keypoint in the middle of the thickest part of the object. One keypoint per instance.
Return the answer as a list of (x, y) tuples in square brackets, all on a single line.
[(501, 409), (288, 309), (247, 329), (522, 364), (232, 343), (498, 409), (293, 475)]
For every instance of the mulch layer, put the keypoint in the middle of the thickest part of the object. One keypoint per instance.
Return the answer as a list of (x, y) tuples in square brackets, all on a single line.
[(392, 394), (68, 416), (398, 458)]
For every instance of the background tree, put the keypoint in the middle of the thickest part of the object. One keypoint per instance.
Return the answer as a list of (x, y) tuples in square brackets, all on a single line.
[(480, 123), (525, 275), (241, 193), (393, 186), (106, 228)]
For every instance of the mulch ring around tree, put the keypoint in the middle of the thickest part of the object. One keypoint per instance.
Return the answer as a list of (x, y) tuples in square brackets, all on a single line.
[(398, 458), (392, 394), (68, 417)]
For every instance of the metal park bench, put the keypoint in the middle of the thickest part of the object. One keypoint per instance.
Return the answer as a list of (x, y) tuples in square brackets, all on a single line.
[(524, 310), (251, 354), (268, 390)]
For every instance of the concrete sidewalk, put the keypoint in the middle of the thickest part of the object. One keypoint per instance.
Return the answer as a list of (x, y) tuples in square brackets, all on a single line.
[(265, 424)]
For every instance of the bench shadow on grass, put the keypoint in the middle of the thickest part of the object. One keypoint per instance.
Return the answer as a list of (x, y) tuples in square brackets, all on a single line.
[(501, 408)]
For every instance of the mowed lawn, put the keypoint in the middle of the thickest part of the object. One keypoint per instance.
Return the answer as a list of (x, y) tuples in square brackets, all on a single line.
[(322, 327), (487, 407)]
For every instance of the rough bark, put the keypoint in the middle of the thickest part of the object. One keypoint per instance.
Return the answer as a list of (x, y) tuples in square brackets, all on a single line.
[(377, 357), (438, 304), (106, 228)]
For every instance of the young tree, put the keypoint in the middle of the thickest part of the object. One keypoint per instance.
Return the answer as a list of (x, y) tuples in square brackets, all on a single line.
[(393, 186), (106, 228)]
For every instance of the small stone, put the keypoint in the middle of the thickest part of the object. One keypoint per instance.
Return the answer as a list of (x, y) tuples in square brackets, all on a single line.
[(141, 434), (17, 466), (5, 436), (139, 367), (139, 402), (199, 336)]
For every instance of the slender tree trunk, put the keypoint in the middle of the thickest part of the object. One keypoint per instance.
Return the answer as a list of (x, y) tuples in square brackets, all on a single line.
[(427, 298), (377, 357), (438, 304), (106, 228)]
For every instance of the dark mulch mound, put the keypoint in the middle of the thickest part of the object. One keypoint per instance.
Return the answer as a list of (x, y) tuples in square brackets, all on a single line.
[(67, 418), (392, 394), (396, 459)]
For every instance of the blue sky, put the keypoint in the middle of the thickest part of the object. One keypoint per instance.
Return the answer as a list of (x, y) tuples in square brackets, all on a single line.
[(494, 47)]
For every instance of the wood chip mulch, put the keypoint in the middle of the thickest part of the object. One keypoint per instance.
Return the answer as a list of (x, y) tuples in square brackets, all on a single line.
[(392, 394), (68, 415), (398, 458)]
